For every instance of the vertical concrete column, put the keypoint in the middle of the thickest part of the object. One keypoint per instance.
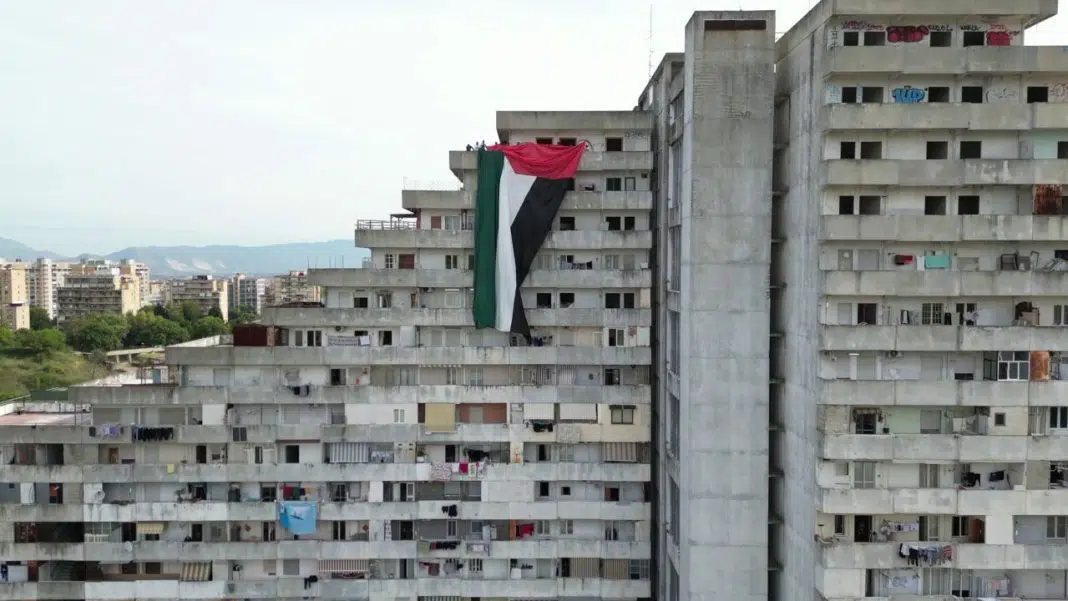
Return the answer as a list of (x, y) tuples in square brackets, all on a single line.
[(725, 316)]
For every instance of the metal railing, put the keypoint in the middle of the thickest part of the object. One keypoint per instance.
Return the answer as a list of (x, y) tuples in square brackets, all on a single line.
[(384, 224)]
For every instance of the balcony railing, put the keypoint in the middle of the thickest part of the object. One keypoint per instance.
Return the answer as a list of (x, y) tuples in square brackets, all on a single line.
[(381, 224)]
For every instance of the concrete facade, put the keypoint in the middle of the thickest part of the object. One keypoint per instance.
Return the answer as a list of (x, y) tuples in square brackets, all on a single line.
[(14, 296), (292, 287), (920, 154), (98, 291), (204, 290), (247, 292)]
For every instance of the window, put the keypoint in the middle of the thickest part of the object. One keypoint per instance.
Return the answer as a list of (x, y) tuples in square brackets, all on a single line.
[(567, 141), (337, 377), (398, 416), (615, 337), (847, 150), (390, 261), (406, 261), (1037, 94), (932, 314), (1062, 150), (292, 452), (543, 300), (453, 375), (929, 475), (941, 39), (257, 455), (567, 224), (630, 184), (841, 468), (612, 300), (613, 184), (934, 205), (938, 93), (937, 151), (543, 489), (360, 302), (240, 434), (385, 338), (968, 205), (639, 569), (871, 150), (628, 300), (928, 527), (475, 376), (611, 262), (971, 94), (846, 205), (999, 419), (870, 95), (384, 300), (1060, 315), (930, 421), (450, 529), (314, 337), (971, 149), (629, 222), (1013, 366), (839, 525), (864, 474), (849, 95), (338, 531), (874, 38), (1058, 418), (623, 414), (567, 299), (1057, 527), (974, 38), (567, 527), (452, 262), (611, 376), (615, 224), (613, 144), (851, 38), (543, 140), (291, 567)]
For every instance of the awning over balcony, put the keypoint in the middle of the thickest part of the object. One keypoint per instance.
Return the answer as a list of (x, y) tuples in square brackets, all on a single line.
[(440, 417), (197, 571), (150, 528), (539, 411), (344, 566)]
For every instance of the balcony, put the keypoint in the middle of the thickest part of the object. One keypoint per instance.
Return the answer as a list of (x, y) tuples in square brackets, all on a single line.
[(554, 121), (944, 448), (462, 278), (461, 161), (559, 240), (631, 200), (946, 228), (913, 393), (948, 173), (945, 283), (397, 317), (915, 59), (935, 338), (931, 116), (119, 396)]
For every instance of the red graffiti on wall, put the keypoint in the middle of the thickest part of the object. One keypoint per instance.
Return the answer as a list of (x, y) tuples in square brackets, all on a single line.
[(998, 38), (906, 33)]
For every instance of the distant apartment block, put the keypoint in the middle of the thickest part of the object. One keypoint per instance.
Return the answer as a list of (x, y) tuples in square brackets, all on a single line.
[(107, 292), (204, 290), (14, 299), (248, 292), (292, 287)]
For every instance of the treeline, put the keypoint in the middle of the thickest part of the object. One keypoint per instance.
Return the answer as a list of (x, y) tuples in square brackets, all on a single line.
[(158, 325)]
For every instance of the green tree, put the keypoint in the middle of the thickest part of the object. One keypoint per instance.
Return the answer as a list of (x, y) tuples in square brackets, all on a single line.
[(39, 319), (47, 340), (98, 332), (215, 312), (243, 315), (209, 326), (191, 311), (7, 337), (149, 329)]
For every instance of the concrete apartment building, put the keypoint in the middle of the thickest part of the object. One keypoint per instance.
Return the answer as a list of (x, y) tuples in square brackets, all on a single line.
[(247, 292), (838, 375), (14, 297), (292, 287), (43, 278), (209, 293), (97, 291)]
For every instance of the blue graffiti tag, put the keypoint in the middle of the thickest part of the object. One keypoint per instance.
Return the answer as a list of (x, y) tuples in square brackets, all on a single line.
[(908, 95)]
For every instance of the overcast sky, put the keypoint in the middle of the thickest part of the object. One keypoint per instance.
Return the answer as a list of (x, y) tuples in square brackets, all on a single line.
[(137, 122)]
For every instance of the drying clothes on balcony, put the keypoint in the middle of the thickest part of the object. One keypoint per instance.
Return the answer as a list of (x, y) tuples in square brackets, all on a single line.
[(997, 476), (925, 555), (524, 530), (143, 434), (476, 455), (443, 545), (109, 431), (299, 517), (449, 510)]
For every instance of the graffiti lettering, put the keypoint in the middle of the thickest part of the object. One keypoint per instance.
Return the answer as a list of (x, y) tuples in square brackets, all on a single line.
[(970, 27), (861, 26), (908, 95), (906, 34), (1059, 92), (933, 28), (1003, 95), (998, 38)]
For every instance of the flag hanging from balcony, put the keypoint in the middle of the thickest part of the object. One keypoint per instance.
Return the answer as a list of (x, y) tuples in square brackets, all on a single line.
[(520, 189)]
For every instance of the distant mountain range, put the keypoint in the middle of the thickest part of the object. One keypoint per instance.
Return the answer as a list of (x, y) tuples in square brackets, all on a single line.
[(178, 261)]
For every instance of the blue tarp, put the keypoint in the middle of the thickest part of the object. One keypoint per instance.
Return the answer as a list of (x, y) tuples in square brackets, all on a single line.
[(299, 517)]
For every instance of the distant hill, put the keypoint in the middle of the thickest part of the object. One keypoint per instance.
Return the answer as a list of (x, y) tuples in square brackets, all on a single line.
[(177, 261)]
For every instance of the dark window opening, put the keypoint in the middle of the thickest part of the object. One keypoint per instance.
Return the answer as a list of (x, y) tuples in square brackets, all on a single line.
[(612, 301), (628, 223), (292, 453), (938, 94), (567, 299), (567, 224), (871, 95), (871, 150), (615, 224), (934, 205), (941, 39), (1062, 150), (971, 94), (847, 150), (867, 314), (613, 184), (870, 205), (628, 300), (974, 38), (569, 184), (851, 38), (360, 302), (874, 38), (849, 95), (567, 141), (543, 300), (613, 144), (543, 140), (971, 149), (736, 25), (968, 205), (845, 205), (937, 151), (1037, 94)]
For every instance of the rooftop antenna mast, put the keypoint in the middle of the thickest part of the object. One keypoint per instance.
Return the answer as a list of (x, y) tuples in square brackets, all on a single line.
[(649, 67)]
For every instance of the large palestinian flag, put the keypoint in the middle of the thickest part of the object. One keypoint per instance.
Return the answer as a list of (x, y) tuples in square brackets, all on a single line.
[(520, 189)]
